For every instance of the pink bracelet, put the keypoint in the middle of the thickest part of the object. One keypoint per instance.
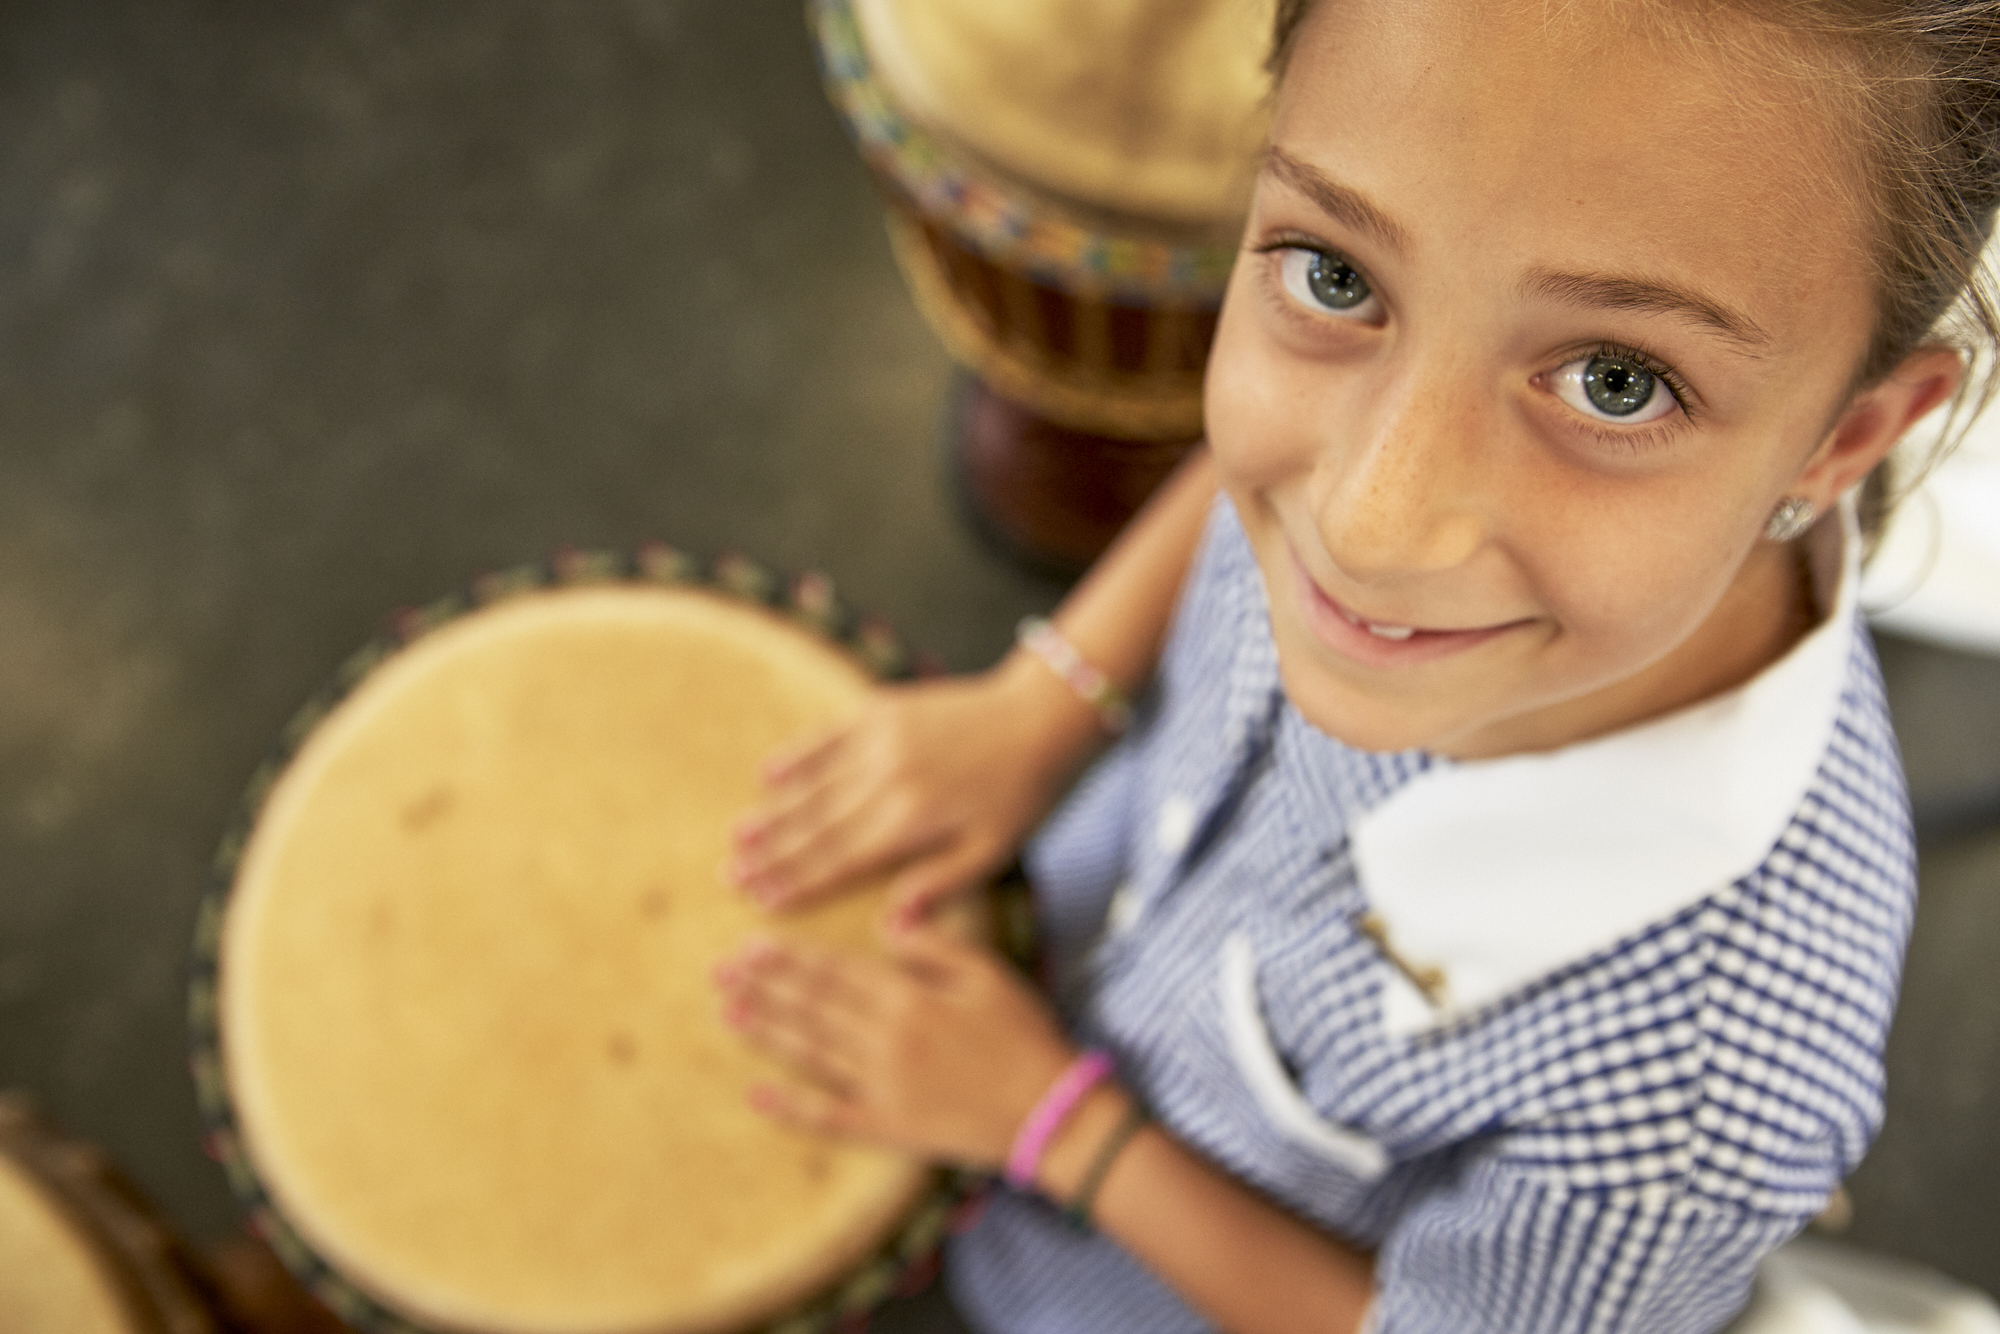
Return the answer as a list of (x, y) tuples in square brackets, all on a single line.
[(1041, 1124), (1093, 687)]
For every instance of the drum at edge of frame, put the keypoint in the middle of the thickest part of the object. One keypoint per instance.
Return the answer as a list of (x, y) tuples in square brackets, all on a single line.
[(453, 1028), (80, 1251), (1067, 186)]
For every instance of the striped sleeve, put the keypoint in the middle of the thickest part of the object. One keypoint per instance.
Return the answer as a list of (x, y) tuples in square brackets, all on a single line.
[(1512, 1252)]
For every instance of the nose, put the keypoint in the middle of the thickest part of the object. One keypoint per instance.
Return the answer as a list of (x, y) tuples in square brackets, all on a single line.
[(1397, 492)]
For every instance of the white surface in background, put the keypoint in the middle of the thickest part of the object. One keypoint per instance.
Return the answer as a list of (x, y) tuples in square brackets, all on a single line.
[(1936, 575), (1813, 1286)]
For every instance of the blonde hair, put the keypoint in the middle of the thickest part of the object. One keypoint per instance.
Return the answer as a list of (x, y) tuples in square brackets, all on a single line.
[(1920, 82)]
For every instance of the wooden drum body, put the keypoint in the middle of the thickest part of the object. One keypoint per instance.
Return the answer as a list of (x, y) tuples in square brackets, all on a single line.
[(454, 1026), (1066, 181)]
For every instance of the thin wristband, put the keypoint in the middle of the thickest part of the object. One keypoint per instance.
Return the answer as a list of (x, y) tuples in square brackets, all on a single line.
[(1037, 635), (1047, 1116), (1077, 1211)]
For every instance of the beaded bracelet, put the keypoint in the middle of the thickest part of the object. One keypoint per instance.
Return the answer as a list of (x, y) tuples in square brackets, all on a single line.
[(1077, 1211), (1040, 1125), (1039, 637)]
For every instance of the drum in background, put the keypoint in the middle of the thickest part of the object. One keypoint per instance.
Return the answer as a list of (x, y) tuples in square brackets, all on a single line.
[(454, 1030), (80, 1251), (1067, 181)]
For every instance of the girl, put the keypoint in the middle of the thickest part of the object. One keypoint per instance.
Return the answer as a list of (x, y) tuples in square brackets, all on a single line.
[(1492, 921)]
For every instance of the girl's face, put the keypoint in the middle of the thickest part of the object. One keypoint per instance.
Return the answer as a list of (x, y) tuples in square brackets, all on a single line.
[(1535, 322)]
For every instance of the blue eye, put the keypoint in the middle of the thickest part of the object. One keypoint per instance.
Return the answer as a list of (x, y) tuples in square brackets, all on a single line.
[(1618, 388), (1334, 282), (1613, 388), (1326, 282)]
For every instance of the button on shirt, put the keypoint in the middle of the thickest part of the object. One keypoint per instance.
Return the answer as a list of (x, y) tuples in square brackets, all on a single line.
[(1665, 962)]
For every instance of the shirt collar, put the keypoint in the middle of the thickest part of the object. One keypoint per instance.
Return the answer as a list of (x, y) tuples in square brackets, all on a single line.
[(1500, 871)]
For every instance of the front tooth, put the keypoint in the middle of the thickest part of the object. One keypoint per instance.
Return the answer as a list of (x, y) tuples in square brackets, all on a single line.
[(1391, 631)]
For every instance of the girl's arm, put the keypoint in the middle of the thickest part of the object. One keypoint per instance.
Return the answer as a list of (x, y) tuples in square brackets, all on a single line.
[(1247, 1265), (943, 779), (942, 1050)]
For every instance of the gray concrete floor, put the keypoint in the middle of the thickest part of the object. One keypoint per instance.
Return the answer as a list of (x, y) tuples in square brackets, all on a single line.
[(311, 312)]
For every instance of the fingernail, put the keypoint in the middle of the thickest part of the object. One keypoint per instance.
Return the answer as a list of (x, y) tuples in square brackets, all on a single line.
[(735, 1014), (762, 1098)]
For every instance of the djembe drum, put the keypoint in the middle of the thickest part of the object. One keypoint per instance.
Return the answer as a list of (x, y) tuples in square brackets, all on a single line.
[(453, 1021), (80, 1251), (1067, 181)]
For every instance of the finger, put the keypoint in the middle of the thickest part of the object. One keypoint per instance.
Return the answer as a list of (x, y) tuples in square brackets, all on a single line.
[(767, 851), (814, 1111), (832, 799), (803, 1051), (800, 1039), (791, 800), (869, 838), (926, 949), (800, 760), (919, 887), (803, 976), (810, 758)]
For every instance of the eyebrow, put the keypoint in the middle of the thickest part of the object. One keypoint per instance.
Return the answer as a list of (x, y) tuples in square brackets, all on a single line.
[(1604, 291), (1611, 292), (1337, 201)]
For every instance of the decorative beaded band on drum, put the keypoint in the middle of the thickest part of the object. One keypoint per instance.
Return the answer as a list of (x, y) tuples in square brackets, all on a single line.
[(903, 1263), (1008, 228), (1095, 322)]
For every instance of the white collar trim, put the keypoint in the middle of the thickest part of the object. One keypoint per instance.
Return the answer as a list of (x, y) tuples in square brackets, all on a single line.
[(1500, 871)]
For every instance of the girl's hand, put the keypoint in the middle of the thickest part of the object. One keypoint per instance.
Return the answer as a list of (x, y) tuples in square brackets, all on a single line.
[(940, 1050), (940, 781)]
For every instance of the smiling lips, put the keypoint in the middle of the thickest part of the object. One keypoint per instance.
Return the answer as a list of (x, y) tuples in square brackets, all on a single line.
[(1381, 643), (1379, 631)]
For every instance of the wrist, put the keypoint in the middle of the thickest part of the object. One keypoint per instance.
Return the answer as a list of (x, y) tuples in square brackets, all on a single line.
[(1051, 1114), (1060, 724), (1085, 679), (1072, 1150)]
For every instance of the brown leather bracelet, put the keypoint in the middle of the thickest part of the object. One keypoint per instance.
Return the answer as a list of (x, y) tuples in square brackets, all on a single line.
[(1077, 1211)]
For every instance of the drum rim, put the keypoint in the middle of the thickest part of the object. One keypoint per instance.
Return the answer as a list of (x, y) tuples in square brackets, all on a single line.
[(1007, 225), (1174, 187), (147, 1268), (906, 1257)]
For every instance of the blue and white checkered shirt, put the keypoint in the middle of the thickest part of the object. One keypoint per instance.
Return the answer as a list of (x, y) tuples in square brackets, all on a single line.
[(1670, 959)]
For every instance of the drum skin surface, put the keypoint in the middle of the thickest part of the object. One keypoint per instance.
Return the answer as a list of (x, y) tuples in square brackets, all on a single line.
[(1131, 106), (468, 1027), (51, 1279)]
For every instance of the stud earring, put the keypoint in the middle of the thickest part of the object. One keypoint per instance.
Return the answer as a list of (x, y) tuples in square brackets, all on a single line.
[(1793, 516)]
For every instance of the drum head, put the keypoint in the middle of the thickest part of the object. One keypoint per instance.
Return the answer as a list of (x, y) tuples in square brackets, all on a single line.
[(53, 1279), (1149, 110), (468, 1029)]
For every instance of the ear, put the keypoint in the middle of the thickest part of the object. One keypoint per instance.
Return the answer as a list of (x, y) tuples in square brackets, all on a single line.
[(1876, 420)]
